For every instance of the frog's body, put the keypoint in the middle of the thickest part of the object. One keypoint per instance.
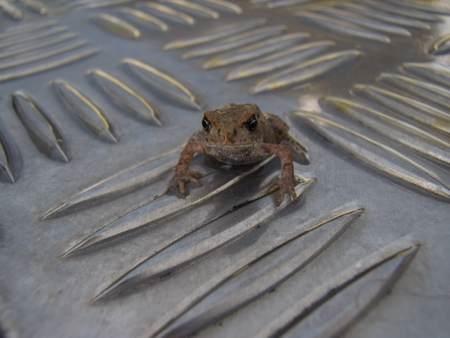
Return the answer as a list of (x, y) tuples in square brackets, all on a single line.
[(240, 134)]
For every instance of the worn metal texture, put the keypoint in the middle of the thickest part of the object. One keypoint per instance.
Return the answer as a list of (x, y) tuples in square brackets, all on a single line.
[(97, 100)]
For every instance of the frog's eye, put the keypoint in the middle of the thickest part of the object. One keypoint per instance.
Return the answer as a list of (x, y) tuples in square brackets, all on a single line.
[(206, 124), (252, 123)]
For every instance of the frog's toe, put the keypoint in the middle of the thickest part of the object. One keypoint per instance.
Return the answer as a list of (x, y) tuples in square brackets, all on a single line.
[(183, 189), (283, 191), (172, 185), (181, 182), (274, 187)]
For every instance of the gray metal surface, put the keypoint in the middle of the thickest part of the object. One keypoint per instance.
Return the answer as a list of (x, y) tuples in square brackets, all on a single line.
[(97, 97)]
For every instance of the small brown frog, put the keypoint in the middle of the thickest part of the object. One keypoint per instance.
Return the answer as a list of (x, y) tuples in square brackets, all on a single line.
[(240, 134)]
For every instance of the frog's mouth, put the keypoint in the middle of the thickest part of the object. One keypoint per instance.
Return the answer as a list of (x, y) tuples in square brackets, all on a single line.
[(247, 145)]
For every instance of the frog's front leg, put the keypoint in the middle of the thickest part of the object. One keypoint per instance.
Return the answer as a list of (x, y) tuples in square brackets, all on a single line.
[(182, 173), (286, 184)]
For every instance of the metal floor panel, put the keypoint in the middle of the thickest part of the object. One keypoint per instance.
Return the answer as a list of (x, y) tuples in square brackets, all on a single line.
[(96, 99)]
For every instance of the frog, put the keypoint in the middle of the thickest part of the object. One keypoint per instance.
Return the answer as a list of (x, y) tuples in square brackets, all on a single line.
[(237, 135)]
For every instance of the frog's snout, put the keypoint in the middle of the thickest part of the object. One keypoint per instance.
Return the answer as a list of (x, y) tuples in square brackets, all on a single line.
[(227, 137)]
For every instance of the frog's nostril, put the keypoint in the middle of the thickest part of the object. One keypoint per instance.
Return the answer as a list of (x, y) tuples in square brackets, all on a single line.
[(227, 137)]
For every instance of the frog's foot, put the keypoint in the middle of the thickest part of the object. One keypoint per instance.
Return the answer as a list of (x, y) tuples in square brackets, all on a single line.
[(180, 181), (285, 188)]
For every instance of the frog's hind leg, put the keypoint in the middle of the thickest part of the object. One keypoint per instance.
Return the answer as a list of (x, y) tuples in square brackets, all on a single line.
[(299, 154)]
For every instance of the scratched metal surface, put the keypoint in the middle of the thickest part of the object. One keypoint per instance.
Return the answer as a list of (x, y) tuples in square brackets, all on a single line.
[(120, 258)]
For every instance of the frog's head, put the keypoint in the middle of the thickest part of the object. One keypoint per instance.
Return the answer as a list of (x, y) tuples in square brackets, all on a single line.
[(234, 124)]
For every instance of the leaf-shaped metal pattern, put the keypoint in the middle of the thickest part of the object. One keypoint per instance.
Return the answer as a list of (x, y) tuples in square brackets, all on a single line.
[(160, 210), (47, 65), (221, 6), (125, 97), (164, 84), (340, 312), (144, 19), (35, 6), (236, 41), (279, 60), (362, 21), (400, 11), (87, 112), (432, 71), (145, 274), (413, 109), (383, 16), (408, 135), (245, 289), (99, 241), (434, 184), (256, 50), (171, 209), (441, 46), (341, 26), (31, 36), (167, 13), (428, 91), (193, 8), (10, 158), (421, 6), (343, 216), (307, 71), (6, 174), (28, 27), (283, 3), (44, 133), (388, 264), (221, 32), (80, 5), (10, 10), (40, 44), (116, 25), (44, 54), (117, 185), (259, 2)]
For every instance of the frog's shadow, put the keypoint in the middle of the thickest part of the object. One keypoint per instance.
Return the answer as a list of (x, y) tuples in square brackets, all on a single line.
[(258, 184)]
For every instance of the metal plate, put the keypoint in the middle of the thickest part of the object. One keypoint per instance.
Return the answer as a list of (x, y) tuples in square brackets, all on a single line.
[(102, 99)]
